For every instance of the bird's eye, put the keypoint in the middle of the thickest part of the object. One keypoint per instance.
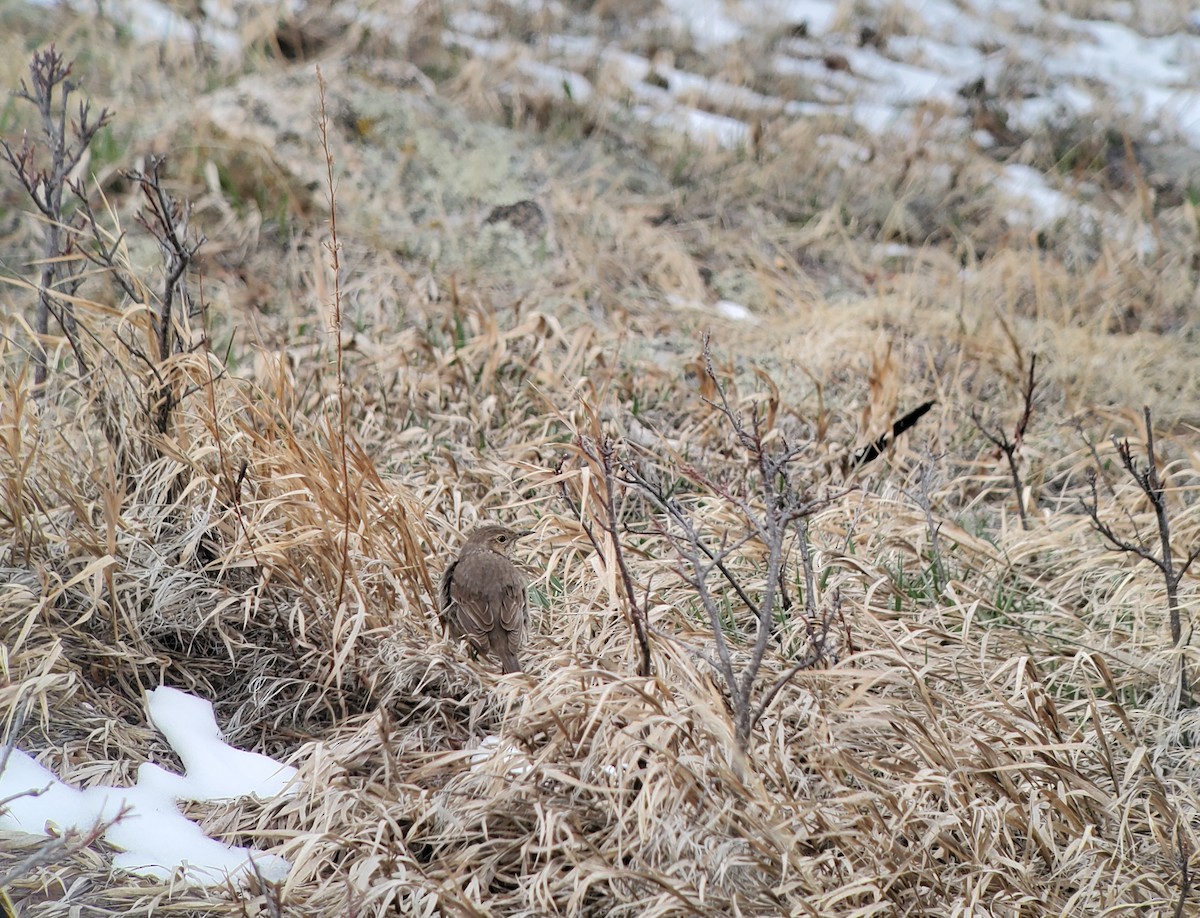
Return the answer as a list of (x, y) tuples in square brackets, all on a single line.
[(502, 538)]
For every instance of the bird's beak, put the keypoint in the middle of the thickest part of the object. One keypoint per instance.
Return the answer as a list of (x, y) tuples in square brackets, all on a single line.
[(521, 533)]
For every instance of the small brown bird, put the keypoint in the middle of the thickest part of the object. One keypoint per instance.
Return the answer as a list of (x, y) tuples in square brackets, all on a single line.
[(483, 596)]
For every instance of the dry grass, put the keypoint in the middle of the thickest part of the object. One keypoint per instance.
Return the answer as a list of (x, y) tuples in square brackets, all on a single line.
[(996, 733)]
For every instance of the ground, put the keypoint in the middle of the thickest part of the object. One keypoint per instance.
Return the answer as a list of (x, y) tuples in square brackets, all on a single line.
[(583, 254)]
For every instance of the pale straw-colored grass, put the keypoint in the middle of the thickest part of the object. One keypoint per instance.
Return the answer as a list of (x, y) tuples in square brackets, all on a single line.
[(993, 730)]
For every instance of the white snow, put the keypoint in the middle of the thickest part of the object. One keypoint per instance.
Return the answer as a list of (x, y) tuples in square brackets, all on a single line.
[(1067, 66), (899, 83), (1037, 202), (1065, 102), (558, 80), (728, 309), (705, 21), (156, 839), (215, 771), (492, 747), (736, 311), (1116, 55), (818, 15), (702, 127), (48, 800), (149, 20)]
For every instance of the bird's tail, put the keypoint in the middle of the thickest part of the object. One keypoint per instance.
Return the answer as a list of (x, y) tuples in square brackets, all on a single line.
[(509, 662)]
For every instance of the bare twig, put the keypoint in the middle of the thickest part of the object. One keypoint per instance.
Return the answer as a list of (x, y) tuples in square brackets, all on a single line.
[(55, 850), (631, 475), (578, 509), (68, 244), (1148, 481), (602, 456), (49, 90), (818, 640), (1185, 873), (810, 583), (773, 511), (167, 221), (1010, 447), (335, 265), (922, 497)]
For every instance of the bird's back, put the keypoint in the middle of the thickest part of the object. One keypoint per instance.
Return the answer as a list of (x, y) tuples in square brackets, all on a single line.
[(484, 600)]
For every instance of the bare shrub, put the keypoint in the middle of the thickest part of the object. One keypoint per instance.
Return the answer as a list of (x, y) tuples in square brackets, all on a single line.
[(76, 236), (732, 539), (45, 176), (1008, 446), (1151, 485)]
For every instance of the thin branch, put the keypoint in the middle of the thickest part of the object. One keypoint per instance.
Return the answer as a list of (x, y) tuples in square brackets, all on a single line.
[(633, 477), (49, 91), (577, 508), (1010, 447), (1116, 543), (1151, 486), (603, 457), (335, 264), (815, 655), (56, 850), (770, 506)]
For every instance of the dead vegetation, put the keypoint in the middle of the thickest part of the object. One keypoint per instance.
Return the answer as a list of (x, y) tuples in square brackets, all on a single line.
[(764, 677)]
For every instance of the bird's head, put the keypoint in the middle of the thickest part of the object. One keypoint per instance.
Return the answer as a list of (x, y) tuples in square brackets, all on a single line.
[(496, 538)]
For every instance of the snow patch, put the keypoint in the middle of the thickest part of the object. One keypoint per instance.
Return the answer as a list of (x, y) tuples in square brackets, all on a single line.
[(156, 839)]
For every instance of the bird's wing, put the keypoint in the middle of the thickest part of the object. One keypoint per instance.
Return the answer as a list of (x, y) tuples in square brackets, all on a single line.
[(444, 597), (471, 613), (514, 614)]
